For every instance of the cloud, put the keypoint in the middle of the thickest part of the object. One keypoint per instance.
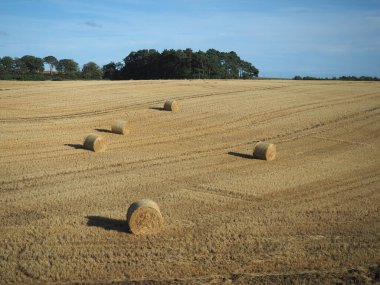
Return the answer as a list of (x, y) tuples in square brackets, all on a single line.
[(2, 33), (92, 24)]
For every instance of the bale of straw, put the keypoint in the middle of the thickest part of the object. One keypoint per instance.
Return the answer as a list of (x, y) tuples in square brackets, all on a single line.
[(95, 143), (265, 151), (171, 106), (119, 127), (144, 217)]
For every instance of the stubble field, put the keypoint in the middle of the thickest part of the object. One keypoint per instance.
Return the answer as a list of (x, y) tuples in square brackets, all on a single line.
[(310, 216)]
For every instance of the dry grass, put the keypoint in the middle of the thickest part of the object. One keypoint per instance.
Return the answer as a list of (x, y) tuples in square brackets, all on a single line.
[(311, 216)]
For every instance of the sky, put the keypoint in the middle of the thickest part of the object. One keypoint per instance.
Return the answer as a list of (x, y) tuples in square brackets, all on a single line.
[(282, 38)]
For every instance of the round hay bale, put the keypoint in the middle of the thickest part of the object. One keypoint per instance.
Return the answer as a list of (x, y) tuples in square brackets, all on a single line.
[(95, 143), (120, 127), (265, 151), (171, 106), (144, 217)]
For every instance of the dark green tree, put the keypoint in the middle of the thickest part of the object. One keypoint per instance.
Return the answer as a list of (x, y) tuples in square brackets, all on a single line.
[(169, 63), (20, 66), (7, 64), (181, 64), (142, 64), (91, 71), (52, 61), (215, 69), (112, 70), (200, 65), (34, 64), (184, 69), (68, 67), (247, 70)]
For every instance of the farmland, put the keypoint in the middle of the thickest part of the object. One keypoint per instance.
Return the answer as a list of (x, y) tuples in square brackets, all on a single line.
[(310, 215)]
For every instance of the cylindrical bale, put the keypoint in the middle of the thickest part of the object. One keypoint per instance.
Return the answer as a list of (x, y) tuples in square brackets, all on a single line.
[(119, 127), (171, 106), (95, 143), (144, 217), (265, 151)]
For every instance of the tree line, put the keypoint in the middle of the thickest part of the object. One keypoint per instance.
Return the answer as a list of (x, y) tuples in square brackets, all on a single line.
[(181, 64), (30, 67), (344, 78), (141, 64)]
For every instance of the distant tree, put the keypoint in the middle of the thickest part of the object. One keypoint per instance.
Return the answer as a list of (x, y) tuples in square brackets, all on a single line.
[(199, 64), (91, 71), (180, 64), (169, 62), (310, 78), (7, 64), (186, 58), (20, 66), (34, 64), (51, 61), (215, 69), (247, 70), (68, 67), (344, 78), (232, 61), (143, 64), (112, 70)]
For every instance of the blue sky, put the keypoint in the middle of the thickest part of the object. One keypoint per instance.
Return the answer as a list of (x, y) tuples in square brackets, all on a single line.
[(281, 38)]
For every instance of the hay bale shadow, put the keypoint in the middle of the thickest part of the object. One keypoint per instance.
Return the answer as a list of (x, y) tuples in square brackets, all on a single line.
[(241, 155), (157, 108), (76, 146), (108, 224), (374, 273), (103, 130)]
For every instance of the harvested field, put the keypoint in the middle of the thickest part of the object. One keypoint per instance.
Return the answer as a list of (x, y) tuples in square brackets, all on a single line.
[(309, 216)]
